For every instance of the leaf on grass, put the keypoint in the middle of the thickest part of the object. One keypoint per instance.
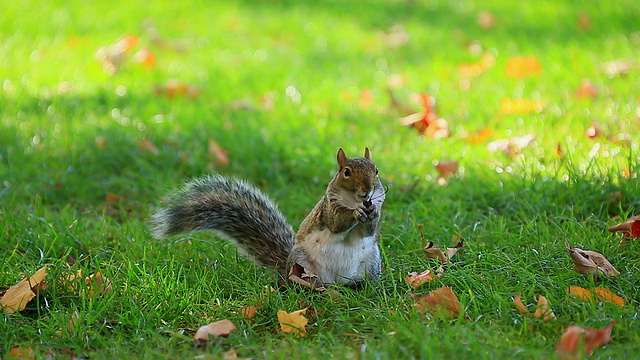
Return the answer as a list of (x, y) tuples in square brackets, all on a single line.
[(147, 146), (519, 67), (437, 253), (511, 146), (145, 57), (440, 302), (17, 297), (23, 353), (590, 262), (510, 106), (446, 167), (618, 67), (113, 56), (587, 90), (427, 122), (101, 142), (629, 228), (217, 153), (219, 328), (594, 130), (97, 284), (249, 311), (479, 136), (293, 322), (415, 280), (176, 88), (470, 71), (542, 309), (487, 20), (578, 342), (597, 294)]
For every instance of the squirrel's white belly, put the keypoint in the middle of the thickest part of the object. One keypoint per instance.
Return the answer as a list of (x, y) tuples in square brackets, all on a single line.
[(341, 257)]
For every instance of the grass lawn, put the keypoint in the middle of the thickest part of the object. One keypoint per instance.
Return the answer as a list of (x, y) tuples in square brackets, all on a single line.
[(89, 147)]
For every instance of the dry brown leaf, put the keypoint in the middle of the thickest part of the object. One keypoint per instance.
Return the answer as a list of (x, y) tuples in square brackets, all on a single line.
[(436, 253), (219, 328), (98, 284), (590, 262), (218, 154), (577, 342), (415, 280), (250, 311), (293, 322), (587, 90), (147, 146), (17, 297), (598, 293), (440, 302), (446, 167), (542, 309)]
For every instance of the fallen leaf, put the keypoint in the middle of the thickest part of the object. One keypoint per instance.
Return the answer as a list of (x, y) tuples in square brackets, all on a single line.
[(365, 99), (590, 262), (101, 142), (17, 297), (559, 152), (446, 167), (587, 90), (111, 198), (479, 136), (415, 280), (293, 322), (249, 311), (584, 22), (395, 37), (145, 57), (594, 130), (440, 302), (618, 67), (23, 353), (511, 146), (427, 122), (597, 294), (217, 153), (487, 20), (577, 342), (175, 88), (219, 328), (436, 253), (97, 284), (470, 71), (542, 309), (519, 67), (630, 228), (510, 106), (147, 146)]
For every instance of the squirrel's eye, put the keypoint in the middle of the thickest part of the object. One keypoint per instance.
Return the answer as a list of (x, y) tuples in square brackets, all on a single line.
[(347, 172), (376, 171)]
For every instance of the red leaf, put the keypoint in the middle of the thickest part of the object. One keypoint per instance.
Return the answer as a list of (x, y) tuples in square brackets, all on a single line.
[(577, 342)]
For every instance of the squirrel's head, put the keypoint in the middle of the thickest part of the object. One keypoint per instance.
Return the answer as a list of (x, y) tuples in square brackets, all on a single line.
[(357, 175)]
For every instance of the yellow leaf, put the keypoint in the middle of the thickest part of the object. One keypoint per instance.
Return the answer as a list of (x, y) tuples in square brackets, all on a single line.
[(598, 293), (17, 297), (293, 322)]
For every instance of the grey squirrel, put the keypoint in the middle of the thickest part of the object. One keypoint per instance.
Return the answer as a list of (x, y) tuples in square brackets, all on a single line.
[(336, 243)]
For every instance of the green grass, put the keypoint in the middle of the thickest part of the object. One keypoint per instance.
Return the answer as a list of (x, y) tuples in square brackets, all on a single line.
[(515, 214)]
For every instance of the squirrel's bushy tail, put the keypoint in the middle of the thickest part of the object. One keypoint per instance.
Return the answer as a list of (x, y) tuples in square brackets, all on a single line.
[(233, 209)]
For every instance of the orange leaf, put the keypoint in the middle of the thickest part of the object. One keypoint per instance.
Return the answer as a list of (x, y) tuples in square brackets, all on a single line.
[(598, 293), (145, 57), (219, 328), (469, 71), (487, 20), (17, 297), (23, 353), (577, 342), (519, 67), (594, 130), (415, 280), (293, 322), (522, 309), (446, 167), (440, 302), (543, 311), (480, 136), (127, 42), (427, 122), (587, 90), (147, 145), (249, 311)]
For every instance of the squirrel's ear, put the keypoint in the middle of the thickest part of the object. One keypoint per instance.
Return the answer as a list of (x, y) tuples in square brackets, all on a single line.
[(367, 153), (342, 157)]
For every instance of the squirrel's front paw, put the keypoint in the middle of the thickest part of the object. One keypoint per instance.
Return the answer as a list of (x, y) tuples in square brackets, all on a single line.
[(371, 210), (360, 213)]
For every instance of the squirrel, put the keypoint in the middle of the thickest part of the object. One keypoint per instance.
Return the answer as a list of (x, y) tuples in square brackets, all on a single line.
[(336, 243)]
